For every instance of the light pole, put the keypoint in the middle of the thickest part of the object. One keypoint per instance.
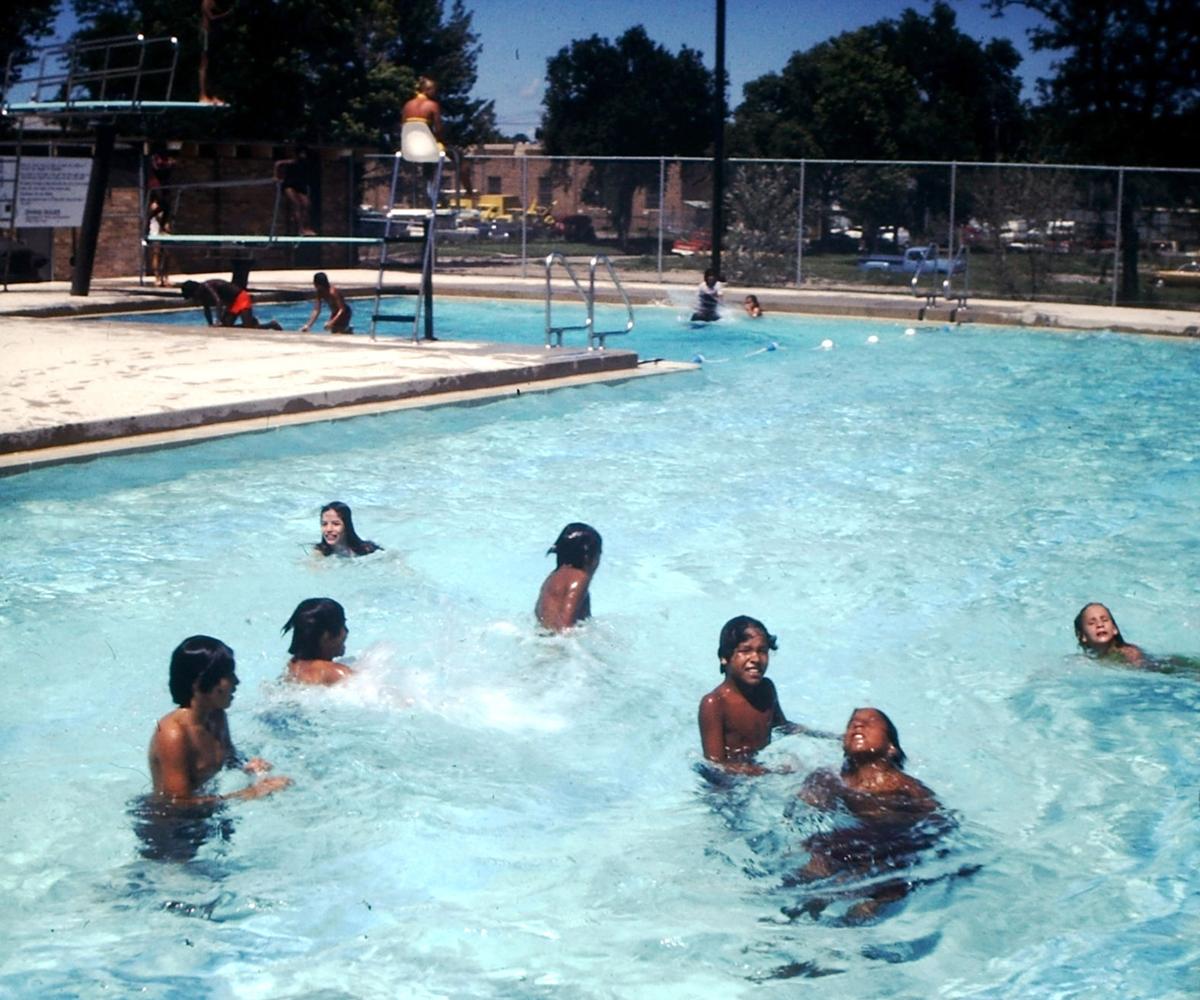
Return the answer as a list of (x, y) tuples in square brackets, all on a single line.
[(718, 196)]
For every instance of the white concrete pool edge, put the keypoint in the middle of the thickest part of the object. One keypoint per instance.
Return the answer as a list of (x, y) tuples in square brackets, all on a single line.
[(75, 390)]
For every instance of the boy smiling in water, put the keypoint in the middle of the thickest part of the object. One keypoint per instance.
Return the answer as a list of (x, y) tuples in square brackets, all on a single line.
[(738, 715)]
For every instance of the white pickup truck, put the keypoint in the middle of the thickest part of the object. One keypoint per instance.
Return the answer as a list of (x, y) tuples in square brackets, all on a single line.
[(914, 260)]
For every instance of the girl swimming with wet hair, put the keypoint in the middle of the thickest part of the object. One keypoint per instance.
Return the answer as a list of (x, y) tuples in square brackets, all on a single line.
[(318, 627), (338, 536), (1099, 636), (563, 600)]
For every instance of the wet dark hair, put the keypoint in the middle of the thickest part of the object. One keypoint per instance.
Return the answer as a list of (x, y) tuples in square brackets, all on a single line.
[(899, 757), (710, 275), (734, 632), (199, 661), (190, 289), (349, 537), (1118, 640), (313, 618), (577, 545), (321, 278)]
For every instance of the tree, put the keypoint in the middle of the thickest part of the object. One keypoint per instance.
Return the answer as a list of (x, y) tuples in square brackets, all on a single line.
[(1125, 92), (628, 98), (1128, 85), (913, 88), (293, 70), (23, 27)]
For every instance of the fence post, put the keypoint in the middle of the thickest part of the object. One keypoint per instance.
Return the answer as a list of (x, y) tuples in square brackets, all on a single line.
[(524, 205), (800, 231), (662, 172), (1117, 241), (953, 184)]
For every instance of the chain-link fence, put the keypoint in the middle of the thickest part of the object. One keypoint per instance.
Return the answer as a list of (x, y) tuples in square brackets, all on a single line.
[(1119, 235)]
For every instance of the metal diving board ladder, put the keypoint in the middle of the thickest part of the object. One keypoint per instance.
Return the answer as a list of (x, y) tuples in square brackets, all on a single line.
[(554, 334)]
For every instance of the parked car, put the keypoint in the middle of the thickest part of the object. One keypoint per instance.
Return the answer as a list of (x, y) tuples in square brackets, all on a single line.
[(1186, 275), (576, 228), (689, 246), (915, 259)]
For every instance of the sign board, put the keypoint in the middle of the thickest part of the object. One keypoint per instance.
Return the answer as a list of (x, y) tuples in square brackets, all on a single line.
[(51, 191)]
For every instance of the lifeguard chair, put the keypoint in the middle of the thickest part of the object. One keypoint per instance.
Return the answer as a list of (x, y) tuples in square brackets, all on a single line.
[(418, 144)]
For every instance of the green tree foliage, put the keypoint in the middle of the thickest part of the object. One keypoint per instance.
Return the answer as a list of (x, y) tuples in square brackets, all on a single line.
[(628, 98), (763, 201), (294, 70), (912, 88), (1128, 84), (22, 27), (1126, 91)]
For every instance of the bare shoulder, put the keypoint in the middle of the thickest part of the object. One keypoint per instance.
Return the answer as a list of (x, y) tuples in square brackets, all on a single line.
[(714, 700)]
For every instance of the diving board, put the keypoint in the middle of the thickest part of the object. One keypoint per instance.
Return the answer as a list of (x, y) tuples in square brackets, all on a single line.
[(215, 239)]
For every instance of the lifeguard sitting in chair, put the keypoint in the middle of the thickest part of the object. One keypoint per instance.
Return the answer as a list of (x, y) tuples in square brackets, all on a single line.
[(421, 125)]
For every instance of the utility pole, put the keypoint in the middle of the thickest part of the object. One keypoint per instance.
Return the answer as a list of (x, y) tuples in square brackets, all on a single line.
[(718, 197)]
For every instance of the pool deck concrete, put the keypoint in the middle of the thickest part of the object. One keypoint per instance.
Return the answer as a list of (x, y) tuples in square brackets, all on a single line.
[(75, 389)]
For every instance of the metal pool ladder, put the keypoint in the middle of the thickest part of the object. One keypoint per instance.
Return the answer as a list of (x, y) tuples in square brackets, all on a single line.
[(554, 334)]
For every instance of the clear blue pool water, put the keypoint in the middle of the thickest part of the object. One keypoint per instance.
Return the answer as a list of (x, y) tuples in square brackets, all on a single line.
[(487, 812)]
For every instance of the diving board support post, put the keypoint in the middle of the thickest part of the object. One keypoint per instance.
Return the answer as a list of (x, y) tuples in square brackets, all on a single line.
[(93, 209), (417, 145)]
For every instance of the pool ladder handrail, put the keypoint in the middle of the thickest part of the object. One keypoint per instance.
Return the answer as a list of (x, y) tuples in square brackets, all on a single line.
[(946, 288), (588, 298)]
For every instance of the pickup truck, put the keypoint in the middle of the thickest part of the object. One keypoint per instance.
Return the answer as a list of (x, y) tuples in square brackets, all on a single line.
[(913, 259)]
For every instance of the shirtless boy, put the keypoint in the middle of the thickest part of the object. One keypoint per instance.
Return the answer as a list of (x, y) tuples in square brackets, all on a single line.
[(225, 301), (563, 600), (191, 743), (737, 716), (339, 308), (318, 627)]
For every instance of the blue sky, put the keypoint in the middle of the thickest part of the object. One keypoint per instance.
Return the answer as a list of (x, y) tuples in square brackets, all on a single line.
[(518, 36)]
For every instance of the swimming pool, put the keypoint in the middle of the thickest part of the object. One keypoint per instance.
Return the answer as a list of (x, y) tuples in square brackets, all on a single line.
[(490, 813)]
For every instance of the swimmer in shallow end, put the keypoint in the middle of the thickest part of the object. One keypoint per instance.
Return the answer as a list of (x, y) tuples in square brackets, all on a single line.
[(896, 816), (339, 309), (191, 743), (753, 309), (1100, 637), (563, 600), (338, 537), (318, 627), (708, 298), (738, 715)]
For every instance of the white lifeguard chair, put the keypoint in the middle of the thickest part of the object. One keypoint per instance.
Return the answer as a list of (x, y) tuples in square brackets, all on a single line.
[(418, 144)]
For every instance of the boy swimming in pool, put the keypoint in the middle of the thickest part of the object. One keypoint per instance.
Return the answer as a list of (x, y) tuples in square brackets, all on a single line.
[(339, 308), (318, 627), (564, 600), (192, 743), (739, 714)]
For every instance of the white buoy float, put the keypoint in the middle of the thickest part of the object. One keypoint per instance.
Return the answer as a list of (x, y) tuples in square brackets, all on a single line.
[(910, 332), (872, 339), (826, 344)]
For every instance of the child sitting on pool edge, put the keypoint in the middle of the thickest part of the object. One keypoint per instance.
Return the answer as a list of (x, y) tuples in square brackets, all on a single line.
[(563, 600), (738, 715), (318, 627)]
